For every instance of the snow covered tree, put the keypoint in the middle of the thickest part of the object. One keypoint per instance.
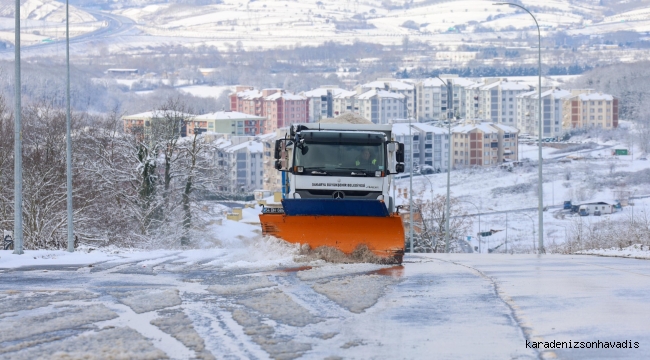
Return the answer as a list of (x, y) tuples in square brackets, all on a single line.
[(430, 221)]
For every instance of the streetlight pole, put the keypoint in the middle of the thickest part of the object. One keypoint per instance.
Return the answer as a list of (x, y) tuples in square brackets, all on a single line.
[(450, 102), (410, 187), (68, 133), (18, 138), (540, 189), (408, 114)]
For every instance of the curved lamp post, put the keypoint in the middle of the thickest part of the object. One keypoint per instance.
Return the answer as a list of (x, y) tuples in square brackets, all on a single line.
[(450, 102), (408, 112), (18, 136), (539, 119)]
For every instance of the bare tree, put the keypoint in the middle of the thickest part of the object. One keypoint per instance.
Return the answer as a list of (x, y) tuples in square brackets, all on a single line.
[(431, 219)]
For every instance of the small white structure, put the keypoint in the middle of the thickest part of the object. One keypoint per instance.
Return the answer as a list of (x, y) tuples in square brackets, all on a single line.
[(602, 206)]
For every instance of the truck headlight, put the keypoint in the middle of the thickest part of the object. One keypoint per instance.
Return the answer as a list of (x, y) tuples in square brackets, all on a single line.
[(380, 197), (296, 196)]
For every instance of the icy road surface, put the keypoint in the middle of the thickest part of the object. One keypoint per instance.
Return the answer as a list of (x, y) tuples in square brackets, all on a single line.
[(211, 304)]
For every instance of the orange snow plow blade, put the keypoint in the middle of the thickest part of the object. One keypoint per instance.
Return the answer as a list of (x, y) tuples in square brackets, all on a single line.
[(384, 236)]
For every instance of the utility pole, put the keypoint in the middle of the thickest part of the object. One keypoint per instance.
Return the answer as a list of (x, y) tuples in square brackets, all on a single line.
[(68, 132), (18, 137), (410, 186), (450, 101), (540, 187)]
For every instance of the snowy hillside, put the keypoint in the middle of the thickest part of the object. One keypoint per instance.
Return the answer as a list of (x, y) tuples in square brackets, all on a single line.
[(43, 20), (267, 23), (43, 10)]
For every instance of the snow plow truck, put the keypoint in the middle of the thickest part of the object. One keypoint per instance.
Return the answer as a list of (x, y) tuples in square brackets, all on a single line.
[(336, 180)]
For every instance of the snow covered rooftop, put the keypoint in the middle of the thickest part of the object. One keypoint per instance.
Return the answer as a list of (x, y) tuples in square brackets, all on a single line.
[(157, 114), (381, 94), (429, 128), (249, 94), (345, 94), (506, 128), (252, 146), (432, 82), (506, 85), (392, 84), (285, 96), (486, 128), (323, 92), (228, 115), (596, 96)]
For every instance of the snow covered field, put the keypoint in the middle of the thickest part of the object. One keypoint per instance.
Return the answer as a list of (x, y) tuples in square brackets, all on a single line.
[(251, 298), (497, 193)]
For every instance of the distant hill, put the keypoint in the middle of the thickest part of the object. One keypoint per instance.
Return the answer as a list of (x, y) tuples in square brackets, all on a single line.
[(45, 10)]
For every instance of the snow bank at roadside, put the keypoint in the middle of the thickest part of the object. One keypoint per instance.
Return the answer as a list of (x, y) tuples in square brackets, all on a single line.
[(637, 251), (82, 256)]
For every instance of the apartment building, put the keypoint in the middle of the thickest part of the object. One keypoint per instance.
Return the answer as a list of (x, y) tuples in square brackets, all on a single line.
[(497, 101), (144, 124), (321, 102), (345, 101), (591, 110), (272, 180), (394, 86), (432, 99), (243, 158), (232, 122), (553, 112), (276, 105), (381, 107), (476, 143), (249, 100), (430, 145), (283, 109)]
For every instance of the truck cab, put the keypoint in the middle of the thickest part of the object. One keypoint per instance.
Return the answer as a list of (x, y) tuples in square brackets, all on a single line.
[(340, 161), (583, 211)]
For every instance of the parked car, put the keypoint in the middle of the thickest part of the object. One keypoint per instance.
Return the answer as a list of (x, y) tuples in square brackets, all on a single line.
[(642, 158), (596, 212)]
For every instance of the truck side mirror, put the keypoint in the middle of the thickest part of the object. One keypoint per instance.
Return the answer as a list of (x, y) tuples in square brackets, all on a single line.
[(278, 148), (399, 168), (399, 155)]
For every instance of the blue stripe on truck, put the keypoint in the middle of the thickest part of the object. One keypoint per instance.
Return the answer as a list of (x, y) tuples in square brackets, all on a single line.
[(334, 207)]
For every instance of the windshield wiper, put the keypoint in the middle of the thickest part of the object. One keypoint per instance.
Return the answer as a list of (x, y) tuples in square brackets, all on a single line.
[(351, 168), (355, 171), (316, 170)]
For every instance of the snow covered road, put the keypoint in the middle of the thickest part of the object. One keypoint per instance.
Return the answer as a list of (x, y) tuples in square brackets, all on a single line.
[(219, 304)]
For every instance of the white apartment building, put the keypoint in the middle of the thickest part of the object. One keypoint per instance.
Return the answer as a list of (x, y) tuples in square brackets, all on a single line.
[(395, 86), (243, 158), (430, 145), (321, 102), (553, 112), (592, 110), (381, 107), (345, 101), (497, 101), (476, 143), (432, 98)]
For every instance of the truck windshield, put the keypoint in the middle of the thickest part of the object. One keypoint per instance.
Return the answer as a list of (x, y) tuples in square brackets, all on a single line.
[(336, 153)]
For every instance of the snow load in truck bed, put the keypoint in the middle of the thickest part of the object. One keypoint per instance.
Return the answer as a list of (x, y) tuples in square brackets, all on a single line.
[(346, 118)]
